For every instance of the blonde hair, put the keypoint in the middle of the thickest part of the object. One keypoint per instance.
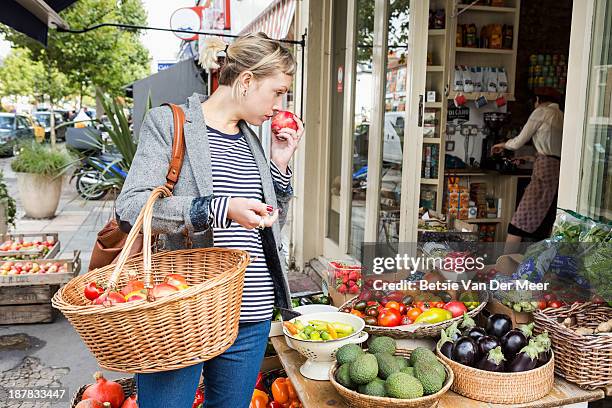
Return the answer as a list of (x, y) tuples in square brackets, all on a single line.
[(254, 52)]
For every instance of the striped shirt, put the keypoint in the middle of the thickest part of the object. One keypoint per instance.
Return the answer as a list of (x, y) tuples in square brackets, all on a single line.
[(235, 174)]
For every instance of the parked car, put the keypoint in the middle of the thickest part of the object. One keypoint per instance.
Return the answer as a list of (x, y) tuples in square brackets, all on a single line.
[(44, 119), (15, 128)]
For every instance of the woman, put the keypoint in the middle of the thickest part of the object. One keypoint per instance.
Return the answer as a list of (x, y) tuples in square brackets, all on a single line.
[(535, 214), (221, 200)]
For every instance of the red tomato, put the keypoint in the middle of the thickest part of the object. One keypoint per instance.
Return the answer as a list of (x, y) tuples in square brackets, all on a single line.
[(456, 308), (439, 305), (372, 303), (93, 290), (403, 309), (555, 304), (392, 304), (389, 318), (422, 305), (283, 119), (542, 304), (413, 313)]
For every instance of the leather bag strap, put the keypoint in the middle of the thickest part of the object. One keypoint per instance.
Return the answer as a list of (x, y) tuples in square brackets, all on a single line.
[(178, 146)]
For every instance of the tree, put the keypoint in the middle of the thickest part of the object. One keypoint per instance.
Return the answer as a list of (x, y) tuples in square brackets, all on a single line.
[(398, 10), (16, 75), (108, 57)]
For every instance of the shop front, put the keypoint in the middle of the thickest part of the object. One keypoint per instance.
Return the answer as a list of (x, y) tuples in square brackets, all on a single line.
[(402, 117)]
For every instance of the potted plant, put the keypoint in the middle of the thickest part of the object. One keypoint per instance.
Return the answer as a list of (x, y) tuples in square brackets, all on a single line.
[(40, 170), (8, 208)]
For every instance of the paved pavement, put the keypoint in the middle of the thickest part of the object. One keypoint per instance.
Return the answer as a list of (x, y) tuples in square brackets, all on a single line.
[(45, 354)]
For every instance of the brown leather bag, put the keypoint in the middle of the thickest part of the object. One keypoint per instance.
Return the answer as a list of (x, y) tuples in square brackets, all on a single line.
[(111, 238)]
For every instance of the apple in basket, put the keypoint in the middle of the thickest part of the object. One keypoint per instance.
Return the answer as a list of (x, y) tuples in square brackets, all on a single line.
[(176, 280), (108, 300), (133, 285), (163, 289), (136, 295)]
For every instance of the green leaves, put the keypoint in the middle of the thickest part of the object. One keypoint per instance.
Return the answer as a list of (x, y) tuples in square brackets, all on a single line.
[(41, 159)]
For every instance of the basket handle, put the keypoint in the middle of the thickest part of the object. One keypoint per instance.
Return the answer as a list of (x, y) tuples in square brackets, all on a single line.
[(144, 221)]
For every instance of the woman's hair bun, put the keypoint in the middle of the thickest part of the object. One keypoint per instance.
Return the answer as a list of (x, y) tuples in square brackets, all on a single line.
[(209, 48)]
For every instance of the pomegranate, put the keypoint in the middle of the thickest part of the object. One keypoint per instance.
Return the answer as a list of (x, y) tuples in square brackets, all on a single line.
[(112, 299), (89, 403), (283, 119), (163, 289), (177, 280), (130, 402), (106, 391)]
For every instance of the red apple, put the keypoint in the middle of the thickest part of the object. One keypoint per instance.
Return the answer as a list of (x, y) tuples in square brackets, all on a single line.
[(163, 289), (283, 119)]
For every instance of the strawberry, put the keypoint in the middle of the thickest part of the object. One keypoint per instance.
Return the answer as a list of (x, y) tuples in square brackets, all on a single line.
[(342, 289), (354, 289), (345, 279), (354, 275)]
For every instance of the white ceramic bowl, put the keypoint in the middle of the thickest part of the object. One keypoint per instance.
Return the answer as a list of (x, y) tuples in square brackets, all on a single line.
[(321, 355)]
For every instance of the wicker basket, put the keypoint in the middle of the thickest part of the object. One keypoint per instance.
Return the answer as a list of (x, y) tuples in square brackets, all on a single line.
[(176, 331), (502, 388), (582, 359), (128, 385), (424, 331), (357, 400)]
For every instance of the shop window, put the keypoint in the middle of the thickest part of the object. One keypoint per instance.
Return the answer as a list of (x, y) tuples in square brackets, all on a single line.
[(596, 183)]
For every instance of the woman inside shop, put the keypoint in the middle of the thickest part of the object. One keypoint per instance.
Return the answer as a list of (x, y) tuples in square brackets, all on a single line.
[(535, 214), (221, 199)]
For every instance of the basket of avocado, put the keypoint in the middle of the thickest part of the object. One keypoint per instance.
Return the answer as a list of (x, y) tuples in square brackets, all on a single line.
[(383, 376)]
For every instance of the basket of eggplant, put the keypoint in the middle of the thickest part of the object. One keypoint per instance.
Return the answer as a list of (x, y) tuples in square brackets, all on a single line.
[(496, 363)]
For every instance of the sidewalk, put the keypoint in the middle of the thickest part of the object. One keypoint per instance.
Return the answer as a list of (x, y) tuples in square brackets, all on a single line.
[(44, 354)]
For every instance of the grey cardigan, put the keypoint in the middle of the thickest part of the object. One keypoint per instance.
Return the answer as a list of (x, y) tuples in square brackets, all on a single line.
[(173, 215)]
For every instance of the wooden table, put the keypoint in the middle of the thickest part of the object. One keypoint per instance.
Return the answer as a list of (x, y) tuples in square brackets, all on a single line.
[(320, 394)]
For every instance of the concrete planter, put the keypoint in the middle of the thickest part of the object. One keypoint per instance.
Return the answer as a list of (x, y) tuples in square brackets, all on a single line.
[(39, 194)]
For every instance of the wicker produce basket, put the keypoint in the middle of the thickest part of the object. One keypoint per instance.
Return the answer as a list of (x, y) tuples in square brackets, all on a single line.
[(176, 331), (128, 385), (582, 359), (502, 388), (419, 331), (357, 400)]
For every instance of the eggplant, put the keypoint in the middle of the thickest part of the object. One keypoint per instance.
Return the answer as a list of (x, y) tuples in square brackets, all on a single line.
[(486, 344), (498, 325), (543, 342), (465, 351), (526, 359), (467, 322), (494, 360), (453, 332), (445, 345), (527, 330), (512, 342), (475, 333)]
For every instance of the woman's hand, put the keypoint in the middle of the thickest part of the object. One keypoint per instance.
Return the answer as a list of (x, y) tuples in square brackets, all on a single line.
[(250, 213), (498, 148), (284, 144)]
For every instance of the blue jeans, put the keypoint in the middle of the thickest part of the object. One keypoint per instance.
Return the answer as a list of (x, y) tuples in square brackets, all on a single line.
[(229, 379)]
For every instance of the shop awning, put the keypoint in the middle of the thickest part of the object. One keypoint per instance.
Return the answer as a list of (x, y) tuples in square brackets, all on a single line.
[(274, 20), (34, 17)]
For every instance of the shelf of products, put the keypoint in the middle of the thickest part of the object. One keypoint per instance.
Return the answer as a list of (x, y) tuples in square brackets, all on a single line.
[(490, 96), (485, 50), (490, 9)]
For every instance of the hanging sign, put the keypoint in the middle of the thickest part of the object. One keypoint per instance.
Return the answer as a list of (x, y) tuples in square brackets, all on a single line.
[(187, 19), (458, 114), (340, 85)]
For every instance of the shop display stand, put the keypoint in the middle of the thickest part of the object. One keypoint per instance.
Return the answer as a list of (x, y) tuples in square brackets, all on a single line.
[(318, 394)]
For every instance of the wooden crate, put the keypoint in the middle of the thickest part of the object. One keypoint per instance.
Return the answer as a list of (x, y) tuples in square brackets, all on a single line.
[(73, 266), (33, 236), (27, 298)]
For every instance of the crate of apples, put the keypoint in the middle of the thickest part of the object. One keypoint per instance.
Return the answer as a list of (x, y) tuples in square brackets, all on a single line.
[(134, 290), (28, 267)]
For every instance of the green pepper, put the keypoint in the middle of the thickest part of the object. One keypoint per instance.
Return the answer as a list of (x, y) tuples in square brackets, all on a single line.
[(308, 329), (434, 315), (325, 336)]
